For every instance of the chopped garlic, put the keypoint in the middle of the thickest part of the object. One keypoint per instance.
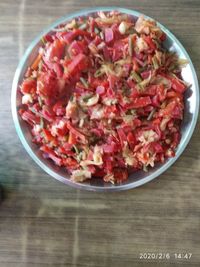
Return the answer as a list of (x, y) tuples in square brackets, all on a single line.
[(141, 44), (80, 175), (148, 137), (54, 127), (128, 119), (93, 48), (109, 178), (54, 130), (93, 100), (71, 110), (109, 101), (128, 156), (169, 152), (102, 15), (122, 27), (36, 128), (89, 101), (146, 158), (146, 26), (101, 45), (97, 158), (163, 123), (61, 124), (82, 155), (27, 98), (81, 122), (126, 100), (71, 24), (97, 112)]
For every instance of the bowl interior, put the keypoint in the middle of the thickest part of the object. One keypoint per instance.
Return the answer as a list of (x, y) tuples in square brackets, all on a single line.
[(139, 177)]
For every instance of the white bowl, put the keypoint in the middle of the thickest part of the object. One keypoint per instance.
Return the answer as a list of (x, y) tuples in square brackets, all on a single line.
[(138, 178)]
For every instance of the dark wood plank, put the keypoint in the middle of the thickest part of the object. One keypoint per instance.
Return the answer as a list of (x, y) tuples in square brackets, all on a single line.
[(43, 222)]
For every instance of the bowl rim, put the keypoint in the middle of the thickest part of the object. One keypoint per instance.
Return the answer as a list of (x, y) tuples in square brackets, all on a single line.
[(52, 173)]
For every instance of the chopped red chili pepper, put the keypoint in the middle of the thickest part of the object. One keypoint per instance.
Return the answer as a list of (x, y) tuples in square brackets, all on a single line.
[(104, 97)]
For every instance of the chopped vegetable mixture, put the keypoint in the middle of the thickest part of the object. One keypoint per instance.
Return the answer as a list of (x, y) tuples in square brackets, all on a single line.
[(104, 98)]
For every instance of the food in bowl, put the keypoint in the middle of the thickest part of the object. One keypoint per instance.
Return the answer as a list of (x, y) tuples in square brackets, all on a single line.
[(104, 97)]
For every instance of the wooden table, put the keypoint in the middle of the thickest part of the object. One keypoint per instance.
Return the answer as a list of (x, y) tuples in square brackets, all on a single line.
[(43, 222)]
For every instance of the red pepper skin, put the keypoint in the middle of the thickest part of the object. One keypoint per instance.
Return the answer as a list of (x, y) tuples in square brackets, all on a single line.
[(131, 140), (173, 110), (59, 108), (140, 102), (28, 86), (76, 133), (110, 148), (150, 42), (77, 47), (178, 86), (68, 37), (30, 117), (51, 154), (122, 136), (109, 35), (55, 50), (78, 64)]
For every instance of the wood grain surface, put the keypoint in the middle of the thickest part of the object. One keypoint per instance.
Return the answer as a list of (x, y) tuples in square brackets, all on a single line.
[(45, 223)]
